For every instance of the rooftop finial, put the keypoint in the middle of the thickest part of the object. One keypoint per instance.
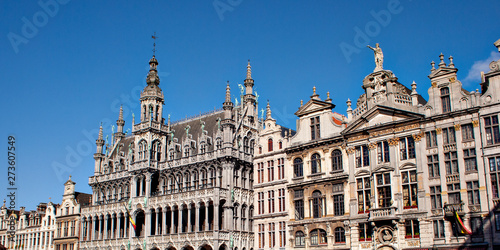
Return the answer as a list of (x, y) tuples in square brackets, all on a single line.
[(249, 70), (441, 63), (100, 132), (228, 93), (268, 111), (451, 65), (314, 90), (328, 99), (120, 116), (301, 103), (433, 64), (154, 43)]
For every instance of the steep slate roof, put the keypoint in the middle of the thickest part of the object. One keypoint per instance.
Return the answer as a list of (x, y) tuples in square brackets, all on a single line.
[(210, 120)]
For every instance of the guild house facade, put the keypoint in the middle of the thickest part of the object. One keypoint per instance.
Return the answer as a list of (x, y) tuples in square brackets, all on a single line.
[(396, 171)]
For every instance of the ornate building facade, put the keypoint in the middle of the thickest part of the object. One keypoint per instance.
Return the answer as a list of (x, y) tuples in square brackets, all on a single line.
[(186, 184), (399, 171)]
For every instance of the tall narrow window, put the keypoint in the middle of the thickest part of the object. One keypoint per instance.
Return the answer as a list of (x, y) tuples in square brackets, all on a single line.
[(299, 204), (282, 234), (315, 129), (384, 189), (281, 200), (407, 148), (383, 152), (338, 199), (300, 239), (449, 135), (431, 139), (298, 167), (270, 195), (454, 193), (270, 170), (467, 132), (262, 241), (445, 100), (409, 179), (412, 229), (261, 202), (436, 201), (340, 235), (476, 225), (317, 204), (281, 168), (315, 164), (362, 156), (364, 192), (495, 176), (272, 235), (473, 192), (365, 232), (451, 162), (336, 160), (438, 228), (492, 131), (270, 145), (433, 164)]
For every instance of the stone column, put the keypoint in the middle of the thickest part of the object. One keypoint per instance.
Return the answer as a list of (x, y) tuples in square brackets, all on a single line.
[(197, 217), (190, 226), (113, 227), (148, 185), (92, 229), (147, 223), (106, 234), (156, 225), (81, 226), (179, 224), (100, 228), (172, 220), (206, 217), (119, 221)]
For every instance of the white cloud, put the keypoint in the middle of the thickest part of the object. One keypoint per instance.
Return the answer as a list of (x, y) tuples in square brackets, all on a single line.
[(478, 66)]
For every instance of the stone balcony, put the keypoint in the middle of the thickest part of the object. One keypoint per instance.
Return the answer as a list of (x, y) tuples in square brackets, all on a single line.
[(386, 213), (452, 178), (450, 147), (449, 209)]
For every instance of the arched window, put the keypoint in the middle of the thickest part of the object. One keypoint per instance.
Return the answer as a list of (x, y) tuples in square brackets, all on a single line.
[(300, 239), (298, 166), (445, 99), (203, 178), (270, 145), (156, 151), (280, 144), (336, 160), (318, 237), (260, 150), (339, 235), (143, 147), (195, 180), (315, 163), (317, 204)]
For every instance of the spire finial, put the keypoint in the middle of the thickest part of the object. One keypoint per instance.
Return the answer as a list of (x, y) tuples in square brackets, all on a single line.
[(348, 102), (451, 65), (433, 66), (301, 103), (314, 90), (120, 116), (154, 43), (249, 70), (268, 111), (228, 93), (100, 132), (441, 59)]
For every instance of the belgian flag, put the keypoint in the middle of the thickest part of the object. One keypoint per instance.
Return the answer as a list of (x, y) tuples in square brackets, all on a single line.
[(130, 217), (463, 229)]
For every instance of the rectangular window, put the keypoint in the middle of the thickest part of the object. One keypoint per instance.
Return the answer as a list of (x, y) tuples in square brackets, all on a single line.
[(454, 193), (270, 195), (470, 160), (384, 189), (449, 135), (338, 204), (445, 100), (282, 233), (476, 225), (281, 168), (364, 193), (261, 202), (494, 175), (431, 139), (433, 164), (491, 129), (407, 148), (451, 162), (467, 132), (299, 204), (438, 228), (362, 156), (281, 199), (260, 172), (383, 152), (315, 129), (409, 179), (365, 232), (436, 201), (412, 229), (497, 221), (262, 240), (270, 170), (272, 235), (473, 192)]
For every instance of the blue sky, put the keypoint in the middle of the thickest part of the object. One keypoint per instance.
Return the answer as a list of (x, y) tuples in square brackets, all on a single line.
[(67, 65)]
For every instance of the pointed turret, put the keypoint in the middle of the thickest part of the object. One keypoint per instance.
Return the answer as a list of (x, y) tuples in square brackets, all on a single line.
[(100, 141), (248, 80), (268, 112), (99, 156), (152, 96), (250, 99), (227, 105), (119, 126)]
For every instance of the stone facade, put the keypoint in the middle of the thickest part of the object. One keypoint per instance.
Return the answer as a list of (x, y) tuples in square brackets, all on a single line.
[(185, 184)]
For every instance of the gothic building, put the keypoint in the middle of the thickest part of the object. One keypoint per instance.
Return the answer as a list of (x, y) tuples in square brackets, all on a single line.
[(185, 184)]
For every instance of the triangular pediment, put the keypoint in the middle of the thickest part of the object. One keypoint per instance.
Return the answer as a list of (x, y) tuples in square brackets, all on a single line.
[(379, 116), (382, 168), (441, 71), (314, 105)]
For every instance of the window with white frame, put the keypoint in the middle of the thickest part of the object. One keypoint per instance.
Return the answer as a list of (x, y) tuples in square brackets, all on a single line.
[(383, 152), (409, 180), (384, 189), (362, 154), (491, 129), (407, 148)]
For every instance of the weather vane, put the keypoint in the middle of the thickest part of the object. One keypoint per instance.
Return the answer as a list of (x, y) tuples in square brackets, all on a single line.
[(154, 43)]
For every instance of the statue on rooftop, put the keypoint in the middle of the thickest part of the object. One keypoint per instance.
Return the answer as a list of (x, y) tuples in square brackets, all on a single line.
[(379, 57)]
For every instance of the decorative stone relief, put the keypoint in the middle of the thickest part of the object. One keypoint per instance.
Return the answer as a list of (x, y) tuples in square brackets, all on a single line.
[(418, 137), (393, 141), (439, 131), (457, 127), (475, 123)]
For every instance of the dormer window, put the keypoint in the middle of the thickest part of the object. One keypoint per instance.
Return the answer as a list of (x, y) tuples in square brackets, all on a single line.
[(445, 100), (315, 129)]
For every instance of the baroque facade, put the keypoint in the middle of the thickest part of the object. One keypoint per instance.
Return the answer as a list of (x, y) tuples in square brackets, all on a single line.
[(185, 184), (399, 171)]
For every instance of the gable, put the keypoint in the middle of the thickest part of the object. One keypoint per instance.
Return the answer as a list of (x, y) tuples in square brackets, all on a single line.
[(381, 115), (312, 106)]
